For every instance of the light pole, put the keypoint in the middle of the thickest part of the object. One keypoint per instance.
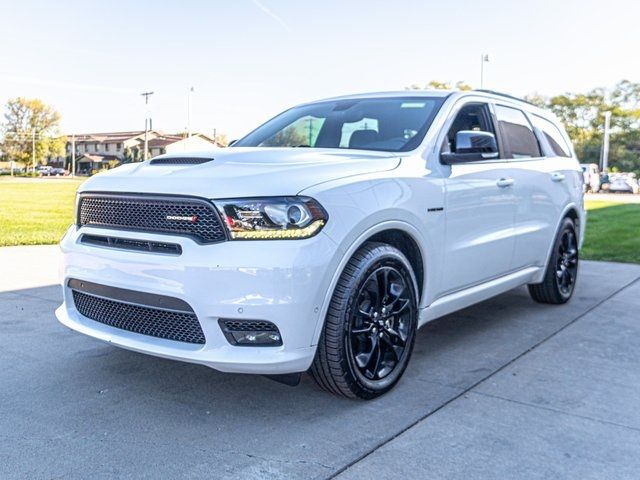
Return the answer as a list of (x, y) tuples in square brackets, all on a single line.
[(605, 141), (33, 149), (147, 123), (191, 90), (73, 154), (484, 58)]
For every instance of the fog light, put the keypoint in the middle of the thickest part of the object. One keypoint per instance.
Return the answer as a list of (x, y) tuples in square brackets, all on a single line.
[(258, 333)]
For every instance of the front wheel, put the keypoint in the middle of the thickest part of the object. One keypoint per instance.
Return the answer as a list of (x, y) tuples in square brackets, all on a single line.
[(370, 326), (562, 271)]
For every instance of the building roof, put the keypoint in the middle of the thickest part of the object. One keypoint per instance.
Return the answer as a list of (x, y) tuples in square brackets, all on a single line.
[(165, 140), (108, 136), (94, 157)]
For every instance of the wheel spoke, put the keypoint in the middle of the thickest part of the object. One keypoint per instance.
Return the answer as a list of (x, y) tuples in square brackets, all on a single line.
[(382, 277), (396, 335), (361, 330), (396, 350), (364, 359)]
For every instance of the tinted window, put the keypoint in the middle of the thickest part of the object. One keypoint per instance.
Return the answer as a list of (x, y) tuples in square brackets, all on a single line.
[(387, 124), (519, 139), (555, 142)]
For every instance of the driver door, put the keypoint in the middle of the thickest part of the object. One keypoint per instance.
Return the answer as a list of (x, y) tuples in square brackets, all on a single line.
[(480, 207)]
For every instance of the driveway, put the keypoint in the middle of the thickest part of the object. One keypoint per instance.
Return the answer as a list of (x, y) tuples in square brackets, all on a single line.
[(504, 389)]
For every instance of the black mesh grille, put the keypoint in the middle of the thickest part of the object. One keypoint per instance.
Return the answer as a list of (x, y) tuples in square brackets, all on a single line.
[(180, 161), (249, 325), (178, 216), (178, 326)]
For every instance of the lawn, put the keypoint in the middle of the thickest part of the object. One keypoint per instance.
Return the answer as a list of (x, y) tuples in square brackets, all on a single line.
[(38, 211), (613, 232), (35, 211)]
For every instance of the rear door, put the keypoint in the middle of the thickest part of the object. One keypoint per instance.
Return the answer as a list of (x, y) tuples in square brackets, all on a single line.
[(480, 208), (539, 159)]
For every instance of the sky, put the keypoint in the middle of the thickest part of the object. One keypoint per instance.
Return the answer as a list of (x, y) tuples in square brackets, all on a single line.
[(247, 60)]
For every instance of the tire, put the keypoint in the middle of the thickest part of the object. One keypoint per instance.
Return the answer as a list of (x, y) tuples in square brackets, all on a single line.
[(369, 331), (562, 270)]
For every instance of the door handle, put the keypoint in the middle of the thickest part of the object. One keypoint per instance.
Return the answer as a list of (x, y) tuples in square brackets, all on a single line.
[(557, 176), (505, 182)]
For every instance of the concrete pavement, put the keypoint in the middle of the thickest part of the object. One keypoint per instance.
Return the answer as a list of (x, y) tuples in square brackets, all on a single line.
[(504, 389)]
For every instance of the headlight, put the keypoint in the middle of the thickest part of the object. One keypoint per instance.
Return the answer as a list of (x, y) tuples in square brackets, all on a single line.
[(272, 218)]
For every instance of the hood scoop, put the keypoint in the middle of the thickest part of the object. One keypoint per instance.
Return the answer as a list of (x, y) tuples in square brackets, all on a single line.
[(180, 161)]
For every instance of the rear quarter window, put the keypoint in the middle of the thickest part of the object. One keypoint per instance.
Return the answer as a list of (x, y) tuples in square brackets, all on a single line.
[(551, 138)]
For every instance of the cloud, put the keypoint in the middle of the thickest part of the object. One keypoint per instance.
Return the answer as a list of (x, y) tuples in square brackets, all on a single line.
[(266, 10)]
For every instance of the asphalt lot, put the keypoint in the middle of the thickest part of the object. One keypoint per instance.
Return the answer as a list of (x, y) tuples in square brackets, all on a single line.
[(504, 389)]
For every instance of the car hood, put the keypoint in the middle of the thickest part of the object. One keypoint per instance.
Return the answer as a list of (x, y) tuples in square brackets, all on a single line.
[(242, 172)]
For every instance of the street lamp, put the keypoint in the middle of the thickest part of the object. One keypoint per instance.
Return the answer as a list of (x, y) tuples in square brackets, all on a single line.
[(484, 58), (191, 90), (147, 123)]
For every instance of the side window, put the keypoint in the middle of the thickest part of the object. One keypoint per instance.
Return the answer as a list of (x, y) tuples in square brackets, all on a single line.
[(519, 139), (555, 142), (474, 116)]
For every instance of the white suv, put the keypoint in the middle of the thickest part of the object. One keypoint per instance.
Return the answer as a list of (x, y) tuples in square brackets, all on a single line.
[(323, 239)]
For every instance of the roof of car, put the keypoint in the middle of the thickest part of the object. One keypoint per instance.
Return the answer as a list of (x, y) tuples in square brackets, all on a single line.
[(496, 96)]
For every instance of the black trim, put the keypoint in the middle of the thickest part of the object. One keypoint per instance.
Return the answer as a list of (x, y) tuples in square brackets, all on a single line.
[(180, 161), (228, 326), (131, 244), (130, 296)]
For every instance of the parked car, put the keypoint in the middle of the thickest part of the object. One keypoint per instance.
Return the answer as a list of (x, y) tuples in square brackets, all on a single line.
[(625, 183), (591, 175), (267, 258), (43, 170), (58, 172)]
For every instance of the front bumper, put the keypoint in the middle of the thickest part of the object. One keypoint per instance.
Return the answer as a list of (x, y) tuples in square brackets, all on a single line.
[(283, 281)]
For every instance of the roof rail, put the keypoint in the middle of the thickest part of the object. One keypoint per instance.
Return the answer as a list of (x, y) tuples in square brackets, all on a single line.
[(506, 95)]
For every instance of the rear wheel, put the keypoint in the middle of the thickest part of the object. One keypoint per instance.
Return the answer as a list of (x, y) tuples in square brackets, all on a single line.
[(562, 270), (370, 327)]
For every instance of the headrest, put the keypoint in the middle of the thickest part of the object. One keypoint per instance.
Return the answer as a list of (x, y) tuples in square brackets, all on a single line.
[(362, 138)]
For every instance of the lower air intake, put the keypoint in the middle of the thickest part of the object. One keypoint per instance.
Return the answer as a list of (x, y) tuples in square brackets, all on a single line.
[(155, 322)]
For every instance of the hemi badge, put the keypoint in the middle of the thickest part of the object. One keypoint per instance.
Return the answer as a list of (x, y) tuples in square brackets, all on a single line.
[(180, 218), (435, 209)]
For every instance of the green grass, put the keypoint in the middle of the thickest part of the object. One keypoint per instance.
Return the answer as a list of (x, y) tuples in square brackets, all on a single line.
[(38, 211), (613, 232), (35, 211)]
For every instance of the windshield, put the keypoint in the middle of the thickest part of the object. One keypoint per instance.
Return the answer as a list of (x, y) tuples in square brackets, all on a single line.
[(387, 124)]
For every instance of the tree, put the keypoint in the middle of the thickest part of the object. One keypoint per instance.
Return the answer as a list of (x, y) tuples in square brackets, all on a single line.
[(31, 123), (438, 85), (583, 117)]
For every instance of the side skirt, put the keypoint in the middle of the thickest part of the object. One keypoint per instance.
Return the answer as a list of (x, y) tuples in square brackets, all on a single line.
[(458, 300)]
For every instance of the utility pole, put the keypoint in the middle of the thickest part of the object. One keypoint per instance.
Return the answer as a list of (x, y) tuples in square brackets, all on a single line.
[(191, 90), (147, 123), (73, 154), (33, 149), (484, 58), (605, 142)]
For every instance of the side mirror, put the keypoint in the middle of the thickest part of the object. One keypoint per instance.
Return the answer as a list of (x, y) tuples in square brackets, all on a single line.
[(472, 146)]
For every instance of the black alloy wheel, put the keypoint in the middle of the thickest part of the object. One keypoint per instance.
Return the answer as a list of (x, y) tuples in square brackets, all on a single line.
[(561, 273), (370, 328), (381, 323)]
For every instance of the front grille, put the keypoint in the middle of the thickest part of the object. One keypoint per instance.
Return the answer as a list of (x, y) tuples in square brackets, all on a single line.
[(171, 325), (192, 217), (180, 161)]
